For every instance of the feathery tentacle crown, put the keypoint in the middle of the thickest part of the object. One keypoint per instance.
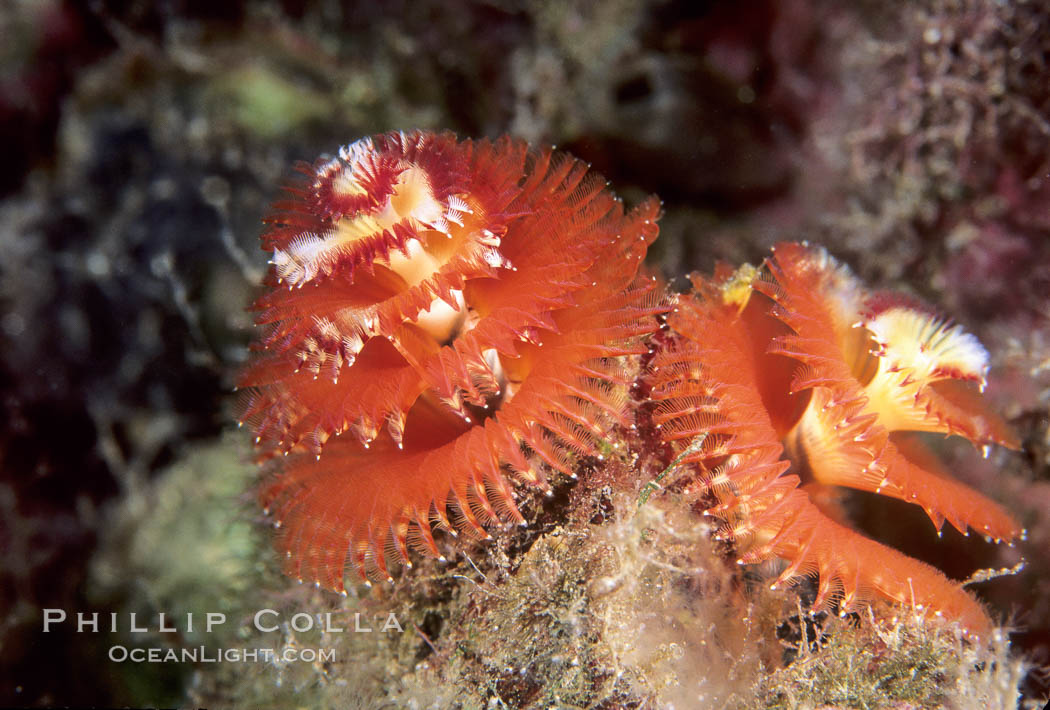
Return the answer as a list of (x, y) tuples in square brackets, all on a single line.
[(443, 318), (802, 356)]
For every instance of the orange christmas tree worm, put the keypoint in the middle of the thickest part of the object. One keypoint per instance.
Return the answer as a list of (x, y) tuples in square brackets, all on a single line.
[(446, 318), (804, 358), (443, 317)]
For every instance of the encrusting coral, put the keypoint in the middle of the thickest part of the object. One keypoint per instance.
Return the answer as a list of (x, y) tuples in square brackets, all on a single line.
[(446, 318), (460, 311), (803, 354)]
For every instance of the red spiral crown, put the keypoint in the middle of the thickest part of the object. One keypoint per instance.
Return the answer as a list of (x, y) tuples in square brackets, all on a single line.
[(443, 318), (801, 357)]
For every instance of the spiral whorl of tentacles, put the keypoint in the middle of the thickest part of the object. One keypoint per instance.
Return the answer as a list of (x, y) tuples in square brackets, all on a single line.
[(797, 369), (444, 319)]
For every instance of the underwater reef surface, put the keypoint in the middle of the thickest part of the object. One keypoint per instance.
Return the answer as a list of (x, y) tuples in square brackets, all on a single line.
[(144, 144)]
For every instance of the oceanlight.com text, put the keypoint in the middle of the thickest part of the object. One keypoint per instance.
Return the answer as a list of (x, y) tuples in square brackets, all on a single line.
[(202, 654)]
